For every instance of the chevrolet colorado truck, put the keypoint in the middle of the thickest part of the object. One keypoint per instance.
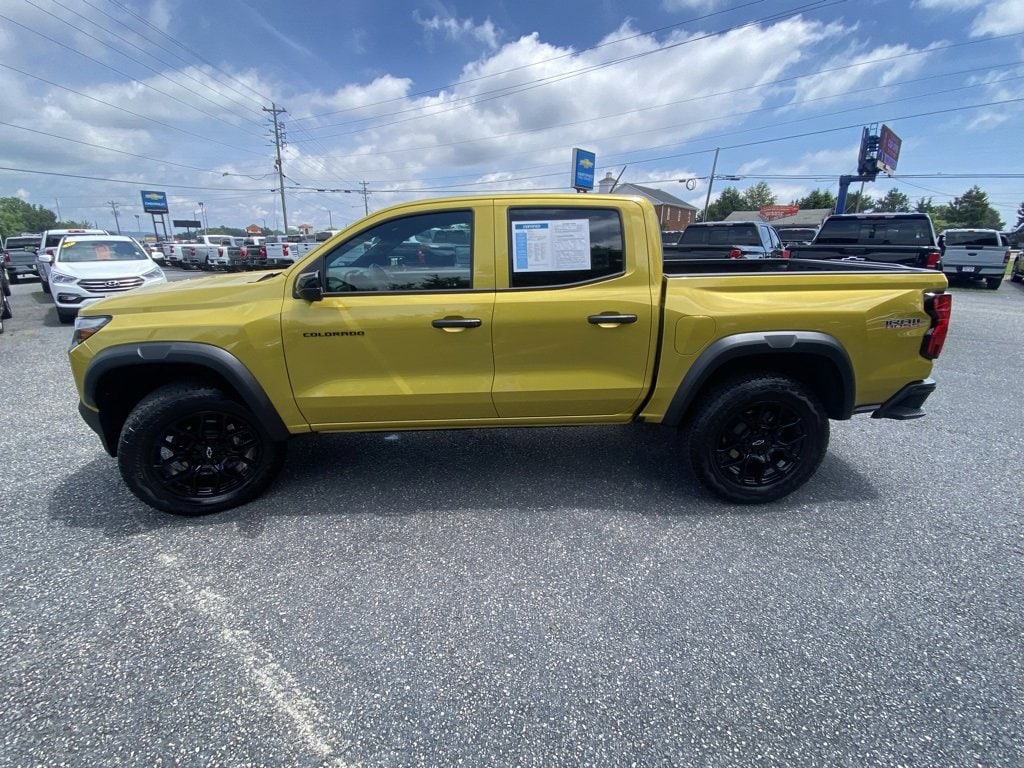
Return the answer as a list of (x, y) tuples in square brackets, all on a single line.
[(726, 240), (561, 312), (890, 238)]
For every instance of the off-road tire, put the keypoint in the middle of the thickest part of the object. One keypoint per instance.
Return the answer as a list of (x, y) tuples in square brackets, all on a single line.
[(993, 283), (44, 283), (67, 316), (189, 449), (756, 438)]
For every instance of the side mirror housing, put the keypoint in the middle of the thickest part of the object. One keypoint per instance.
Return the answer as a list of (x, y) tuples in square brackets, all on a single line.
[(46, 258), (309, 287)]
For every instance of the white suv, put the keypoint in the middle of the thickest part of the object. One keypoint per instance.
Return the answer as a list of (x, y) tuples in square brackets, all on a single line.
[(48, 243), (87, 268)]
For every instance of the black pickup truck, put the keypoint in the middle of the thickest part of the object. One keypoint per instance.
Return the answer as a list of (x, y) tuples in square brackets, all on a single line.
[(893, 238), (725, 240), (19, 256)]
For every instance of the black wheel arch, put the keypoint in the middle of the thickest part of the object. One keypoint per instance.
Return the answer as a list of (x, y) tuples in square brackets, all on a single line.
[(120, 376), (816, 359)]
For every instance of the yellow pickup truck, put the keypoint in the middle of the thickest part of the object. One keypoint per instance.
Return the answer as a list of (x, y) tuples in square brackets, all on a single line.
[(505, 311)]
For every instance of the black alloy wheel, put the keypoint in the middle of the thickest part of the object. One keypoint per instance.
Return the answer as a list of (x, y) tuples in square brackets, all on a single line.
[(191, 450), (756, 439)]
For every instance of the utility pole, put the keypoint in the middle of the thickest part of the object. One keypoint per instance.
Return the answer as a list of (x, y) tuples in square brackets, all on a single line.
[(366, 198), (711, 180), (278, 142), (113, 207)]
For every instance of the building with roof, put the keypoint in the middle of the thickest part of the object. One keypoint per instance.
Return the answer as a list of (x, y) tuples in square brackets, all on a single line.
[(810, 217), (673, 213)]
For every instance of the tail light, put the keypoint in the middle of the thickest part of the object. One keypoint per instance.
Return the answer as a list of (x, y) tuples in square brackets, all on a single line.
[(1006, 256), (284, 250), (785, 253), (938, 306), (7, 256), (932, 259), (243, 252), (220, 251), (263, 251), (735, 253)]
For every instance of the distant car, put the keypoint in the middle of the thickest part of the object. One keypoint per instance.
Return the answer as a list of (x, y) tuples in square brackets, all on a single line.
[(87, 268), (19, 256), (1017, 274), (5, 303), (48, 243), (974, 253)]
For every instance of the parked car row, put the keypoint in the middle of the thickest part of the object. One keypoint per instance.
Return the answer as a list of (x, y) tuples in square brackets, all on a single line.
[(235, 254)]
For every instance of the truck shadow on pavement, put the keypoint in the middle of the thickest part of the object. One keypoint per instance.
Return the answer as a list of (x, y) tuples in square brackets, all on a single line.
[(634, 470)]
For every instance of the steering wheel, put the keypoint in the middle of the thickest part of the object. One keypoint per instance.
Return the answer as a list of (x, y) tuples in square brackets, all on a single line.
[(338, 284)]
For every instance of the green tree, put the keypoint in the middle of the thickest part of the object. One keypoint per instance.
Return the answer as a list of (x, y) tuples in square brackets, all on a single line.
[(972, 209), (730, 200), (757, 196), (893, 202), (17, 216), (819, 198), (858, 202)]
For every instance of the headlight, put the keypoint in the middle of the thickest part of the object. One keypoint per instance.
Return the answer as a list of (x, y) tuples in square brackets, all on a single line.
[(87, 326), (153, 274), (60, 277)]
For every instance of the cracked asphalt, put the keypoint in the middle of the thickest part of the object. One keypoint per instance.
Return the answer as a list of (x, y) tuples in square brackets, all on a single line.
[(546, 597)]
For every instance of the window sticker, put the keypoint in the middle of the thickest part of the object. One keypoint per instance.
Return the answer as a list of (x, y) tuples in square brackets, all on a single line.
[(551, 246)]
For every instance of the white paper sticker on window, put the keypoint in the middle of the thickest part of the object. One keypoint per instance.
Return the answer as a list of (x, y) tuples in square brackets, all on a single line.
[(550, 246)]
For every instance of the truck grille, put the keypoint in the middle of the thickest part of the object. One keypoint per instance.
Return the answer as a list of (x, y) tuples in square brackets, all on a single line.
[(112, 285)]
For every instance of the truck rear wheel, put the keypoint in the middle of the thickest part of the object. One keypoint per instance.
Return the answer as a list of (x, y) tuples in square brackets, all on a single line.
[(757, 438), (189, 449), (993, 283)]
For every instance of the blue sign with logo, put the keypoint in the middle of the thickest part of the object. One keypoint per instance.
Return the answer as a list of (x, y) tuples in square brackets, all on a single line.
[(583, 166), (154, 202)]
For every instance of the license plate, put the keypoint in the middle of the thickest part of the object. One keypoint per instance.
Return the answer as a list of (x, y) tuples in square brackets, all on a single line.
[(968, 269)]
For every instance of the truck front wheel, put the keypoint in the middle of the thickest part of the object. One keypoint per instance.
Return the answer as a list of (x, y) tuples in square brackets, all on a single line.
[(755, 439), (189, 449)]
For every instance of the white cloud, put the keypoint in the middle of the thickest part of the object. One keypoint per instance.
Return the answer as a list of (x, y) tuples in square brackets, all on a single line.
[(458, 29), (998, 17)]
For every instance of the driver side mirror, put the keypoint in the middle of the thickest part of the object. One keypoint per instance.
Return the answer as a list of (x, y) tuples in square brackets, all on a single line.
[(309, 287), (46, 258)]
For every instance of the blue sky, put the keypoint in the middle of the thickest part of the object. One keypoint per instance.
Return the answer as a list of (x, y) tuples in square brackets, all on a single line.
[(105, 98)]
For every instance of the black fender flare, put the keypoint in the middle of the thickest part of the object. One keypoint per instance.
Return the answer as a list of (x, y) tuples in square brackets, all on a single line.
[(192, 353), (760, 344)]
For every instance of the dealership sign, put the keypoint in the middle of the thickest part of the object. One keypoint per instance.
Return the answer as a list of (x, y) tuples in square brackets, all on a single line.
[(154, 202), (583, 165), (772, 212)]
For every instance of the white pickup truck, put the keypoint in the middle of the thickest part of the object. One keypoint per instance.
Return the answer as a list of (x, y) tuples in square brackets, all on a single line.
[(283, 251), (206, 251), (971, 253)]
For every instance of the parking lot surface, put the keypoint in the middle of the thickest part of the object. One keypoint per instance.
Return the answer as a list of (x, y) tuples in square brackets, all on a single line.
[(551, 597)]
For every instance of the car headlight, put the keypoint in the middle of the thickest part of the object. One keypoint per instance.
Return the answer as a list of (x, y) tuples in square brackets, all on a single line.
[(153, 274), (87, 326), (60, 277)]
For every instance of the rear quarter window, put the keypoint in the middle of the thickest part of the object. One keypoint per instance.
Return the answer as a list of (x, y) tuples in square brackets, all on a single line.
[(550, 247)]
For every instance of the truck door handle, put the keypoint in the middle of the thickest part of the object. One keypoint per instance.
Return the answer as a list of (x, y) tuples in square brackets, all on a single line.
[(457, 322), (611, 319)]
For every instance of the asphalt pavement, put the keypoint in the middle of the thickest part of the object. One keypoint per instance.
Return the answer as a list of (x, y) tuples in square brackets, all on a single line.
[(544, 597)]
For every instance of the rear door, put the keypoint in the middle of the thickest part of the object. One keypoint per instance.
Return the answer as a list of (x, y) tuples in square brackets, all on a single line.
[(574, 316)]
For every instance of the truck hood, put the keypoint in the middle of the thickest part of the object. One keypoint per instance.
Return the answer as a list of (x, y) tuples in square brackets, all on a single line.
[(194, 294)]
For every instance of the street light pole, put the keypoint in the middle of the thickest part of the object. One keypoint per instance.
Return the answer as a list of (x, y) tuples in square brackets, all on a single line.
[(206, 223), (138, 223)]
